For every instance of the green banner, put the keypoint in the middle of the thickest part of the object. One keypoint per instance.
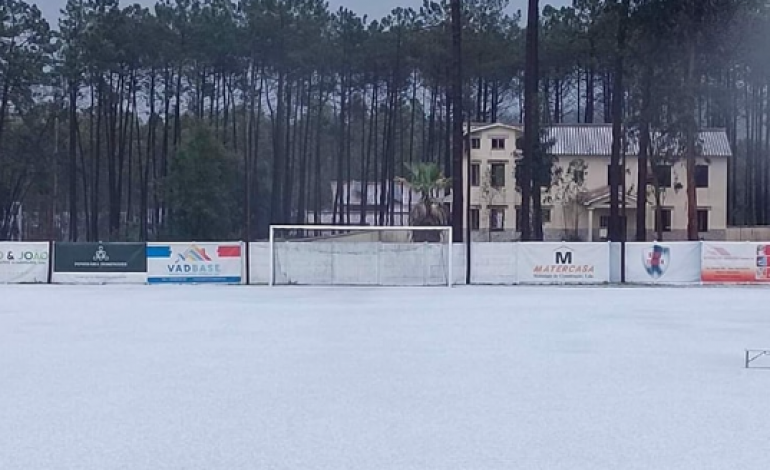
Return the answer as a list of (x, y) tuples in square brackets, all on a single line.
[(100, 258)]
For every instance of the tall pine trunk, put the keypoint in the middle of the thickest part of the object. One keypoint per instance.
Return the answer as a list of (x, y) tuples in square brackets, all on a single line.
[(72, 168), (530, 191), (457, 123), (616, 229), (644, 152), (691, 136)]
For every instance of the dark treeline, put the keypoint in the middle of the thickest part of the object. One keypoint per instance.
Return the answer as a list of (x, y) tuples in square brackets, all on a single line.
[(214, 118)]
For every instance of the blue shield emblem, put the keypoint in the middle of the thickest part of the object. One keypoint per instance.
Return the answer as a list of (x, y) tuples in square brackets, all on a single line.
[(656, 260)]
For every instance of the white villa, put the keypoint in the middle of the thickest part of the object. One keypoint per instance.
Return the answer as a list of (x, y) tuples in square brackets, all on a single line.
[(577, 207)]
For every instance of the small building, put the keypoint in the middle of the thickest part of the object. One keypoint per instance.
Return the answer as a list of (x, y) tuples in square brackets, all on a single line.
[(354, 202)]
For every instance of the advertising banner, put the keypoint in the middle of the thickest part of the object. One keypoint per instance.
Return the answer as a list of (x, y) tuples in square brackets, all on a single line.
[(663, 263), (735, 263), (564, 263), (23, 263), (99, 263), (220, 263)]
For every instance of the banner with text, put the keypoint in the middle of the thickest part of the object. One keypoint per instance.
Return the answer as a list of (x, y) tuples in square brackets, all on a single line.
[(99, 263), (23, 263), (564, 263), (663, 263), (742, 263), (220, 263)]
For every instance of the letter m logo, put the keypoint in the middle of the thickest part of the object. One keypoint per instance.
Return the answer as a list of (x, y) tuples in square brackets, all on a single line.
[(563, 257)]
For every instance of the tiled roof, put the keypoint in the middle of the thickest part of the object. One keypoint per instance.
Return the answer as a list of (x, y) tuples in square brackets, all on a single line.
[(596, 140)]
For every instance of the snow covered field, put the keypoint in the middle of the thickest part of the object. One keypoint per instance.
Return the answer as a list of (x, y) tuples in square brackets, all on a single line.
[(194, 377)]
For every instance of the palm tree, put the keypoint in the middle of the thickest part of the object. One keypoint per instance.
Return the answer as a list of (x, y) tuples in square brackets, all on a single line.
[(427, 180)]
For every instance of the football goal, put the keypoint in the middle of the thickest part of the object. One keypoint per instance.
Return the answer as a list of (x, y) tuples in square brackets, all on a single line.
[(360, 255)]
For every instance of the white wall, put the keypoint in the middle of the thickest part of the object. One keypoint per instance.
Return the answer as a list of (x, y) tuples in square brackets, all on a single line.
[(356, 263), (404, 264), (415, 264)]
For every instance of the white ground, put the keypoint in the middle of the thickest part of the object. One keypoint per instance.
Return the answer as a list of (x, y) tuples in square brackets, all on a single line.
[(425, 378)]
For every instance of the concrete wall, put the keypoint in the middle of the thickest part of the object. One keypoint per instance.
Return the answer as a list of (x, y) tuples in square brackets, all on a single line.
[(357, 263), (373, 264), (395, 264), (747, 234), (419, 264)]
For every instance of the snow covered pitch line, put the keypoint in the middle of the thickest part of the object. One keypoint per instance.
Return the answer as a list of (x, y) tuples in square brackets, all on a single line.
[(195, 377)]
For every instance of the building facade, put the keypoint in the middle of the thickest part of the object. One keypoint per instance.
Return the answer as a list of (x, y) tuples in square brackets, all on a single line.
[(576, 206)]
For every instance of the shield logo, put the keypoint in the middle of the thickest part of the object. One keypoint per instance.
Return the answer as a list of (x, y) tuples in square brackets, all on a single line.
[(656, 260)]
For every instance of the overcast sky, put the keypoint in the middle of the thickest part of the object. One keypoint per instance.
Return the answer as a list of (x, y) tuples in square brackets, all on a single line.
[(373, 8)]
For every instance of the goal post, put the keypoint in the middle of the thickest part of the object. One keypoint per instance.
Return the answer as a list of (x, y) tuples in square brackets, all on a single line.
[(360, 255)]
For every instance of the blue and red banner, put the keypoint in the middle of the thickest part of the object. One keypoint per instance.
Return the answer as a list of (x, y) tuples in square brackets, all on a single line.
[(185, 263)]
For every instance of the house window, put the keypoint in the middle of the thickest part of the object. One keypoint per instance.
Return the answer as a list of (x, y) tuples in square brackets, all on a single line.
[(475, 218), (497, 219), (703, 220), (475, 143), (665, 216), (701, 176), (498, 143), (475, 174), (497, 175), (546, 216), (663, 173)]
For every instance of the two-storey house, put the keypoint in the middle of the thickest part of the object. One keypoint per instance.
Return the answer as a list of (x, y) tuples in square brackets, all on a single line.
[(576, 206)]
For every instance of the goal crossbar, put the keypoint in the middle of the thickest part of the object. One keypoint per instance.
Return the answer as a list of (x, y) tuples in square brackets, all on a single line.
[(361, 228)]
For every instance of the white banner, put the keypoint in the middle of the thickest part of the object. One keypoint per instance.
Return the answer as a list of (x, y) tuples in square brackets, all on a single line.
[(735, 263), (615, 262), (220, 263), (259, 263), (564, 263), (23, 263), (494, 263), (663, 263)]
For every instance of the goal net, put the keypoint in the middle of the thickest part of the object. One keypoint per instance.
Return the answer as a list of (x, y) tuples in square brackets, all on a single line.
[(360, 256)]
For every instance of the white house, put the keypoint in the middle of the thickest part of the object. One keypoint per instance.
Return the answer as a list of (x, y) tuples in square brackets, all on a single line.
[(354, 201)]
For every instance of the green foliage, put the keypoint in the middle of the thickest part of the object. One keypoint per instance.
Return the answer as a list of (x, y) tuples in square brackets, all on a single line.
[(426, 179), (202, 189), (137, 80), (25, 51)]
